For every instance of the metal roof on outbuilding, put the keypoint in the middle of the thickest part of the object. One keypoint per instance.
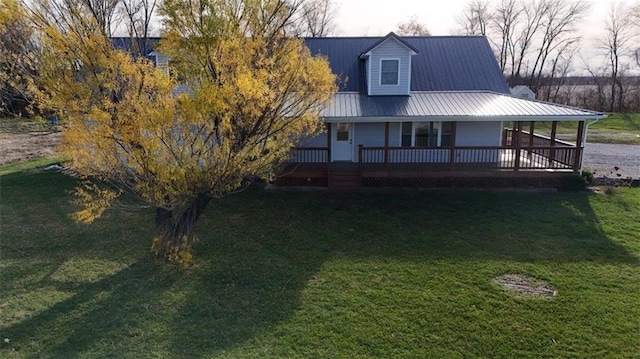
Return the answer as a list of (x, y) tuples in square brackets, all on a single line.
[(443, 63), (448, 106)]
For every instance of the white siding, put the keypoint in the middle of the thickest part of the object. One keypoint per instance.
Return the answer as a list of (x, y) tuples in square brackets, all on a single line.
[(478, 134), (372, 135), (471, 134), (319, 140), (182, 89), (162, 62), (394, 134), (390, 49), (311, 156), (368, 135)]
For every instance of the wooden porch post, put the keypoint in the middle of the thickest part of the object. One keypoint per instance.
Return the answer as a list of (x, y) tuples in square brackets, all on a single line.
[(517, 131), (577, 161), (329, 184), (512, 140), (452, 150), (386, 143), (552, 153), (505, 131), (328, 142), (532, 127)]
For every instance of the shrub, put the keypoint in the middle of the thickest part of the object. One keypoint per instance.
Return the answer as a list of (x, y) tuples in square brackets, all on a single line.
[(589, 176)]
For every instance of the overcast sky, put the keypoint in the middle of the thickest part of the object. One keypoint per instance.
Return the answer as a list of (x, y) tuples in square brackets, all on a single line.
[(379, 17)]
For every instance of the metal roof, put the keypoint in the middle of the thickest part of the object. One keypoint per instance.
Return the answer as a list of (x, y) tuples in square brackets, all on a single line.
[(389, 36), (126, 43), (448, 106), (443, 63)]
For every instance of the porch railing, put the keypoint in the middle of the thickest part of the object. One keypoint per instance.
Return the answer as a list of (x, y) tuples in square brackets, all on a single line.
[(526, 139), (497, 158), (456, 158), (309, 155)]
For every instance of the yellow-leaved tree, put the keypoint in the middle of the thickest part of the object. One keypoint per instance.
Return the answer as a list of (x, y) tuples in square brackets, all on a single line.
[(252, 92), (18, 59)]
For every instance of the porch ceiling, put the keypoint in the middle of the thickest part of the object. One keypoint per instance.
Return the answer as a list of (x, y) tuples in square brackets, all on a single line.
[(448, 106)]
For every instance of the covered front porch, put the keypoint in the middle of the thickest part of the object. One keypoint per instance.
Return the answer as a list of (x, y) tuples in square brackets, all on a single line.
[(523, 156), (435, 135)]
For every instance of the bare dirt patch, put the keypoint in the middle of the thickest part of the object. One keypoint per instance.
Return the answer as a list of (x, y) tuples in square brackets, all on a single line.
[(18, 147), (525, 286)]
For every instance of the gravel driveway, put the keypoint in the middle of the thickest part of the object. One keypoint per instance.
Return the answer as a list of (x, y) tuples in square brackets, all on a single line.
[(603, 157)]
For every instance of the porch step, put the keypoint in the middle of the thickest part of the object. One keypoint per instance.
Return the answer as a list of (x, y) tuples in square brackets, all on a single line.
[(344, 179)]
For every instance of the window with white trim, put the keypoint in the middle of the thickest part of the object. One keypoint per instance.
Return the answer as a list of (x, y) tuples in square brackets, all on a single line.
[(426, 134), (389, 71)]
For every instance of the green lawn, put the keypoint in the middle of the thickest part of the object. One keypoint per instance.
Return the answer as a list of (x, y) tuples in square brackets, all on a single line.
[(623, 128), (401, 274), (25, 125)]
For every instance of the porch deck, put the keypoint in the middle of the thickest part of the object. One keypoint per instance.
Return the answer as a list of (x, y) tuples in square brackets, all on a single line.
[(534, 164), (523, 155)]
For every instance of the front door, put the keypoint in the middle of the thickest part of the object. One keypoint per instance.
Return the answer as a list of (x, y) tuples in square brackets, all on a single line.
[(341, 141)]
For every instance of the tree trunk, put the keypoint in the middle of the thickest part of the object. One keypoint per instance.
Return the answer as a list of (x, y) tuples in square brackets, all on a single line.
[(175, 231)]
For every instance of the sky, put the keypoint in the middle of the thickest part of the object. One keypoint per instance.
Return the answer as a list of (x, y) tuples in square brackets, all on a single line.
[(379, 17)]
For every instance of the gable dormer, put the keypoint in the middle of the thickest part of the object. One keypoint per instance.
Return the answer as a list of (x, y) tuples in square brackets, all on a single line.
[(388, 65)]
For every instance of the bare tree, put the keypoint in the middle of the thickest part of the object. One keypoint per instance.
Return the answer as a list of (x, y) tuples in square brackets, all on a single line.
[(635, 18), (520, 45), (475, 18), (617, 42), (104, 11), (557, 28), (138, 16), (413, 27), (504, 21), (560, 65), (598, 77), (511, 26), (317, 18)]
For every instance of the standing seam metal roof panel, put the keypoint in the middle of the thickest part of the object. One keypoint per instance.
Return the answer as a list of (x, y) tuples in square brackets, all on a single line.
[(443, 63), (468, 104)]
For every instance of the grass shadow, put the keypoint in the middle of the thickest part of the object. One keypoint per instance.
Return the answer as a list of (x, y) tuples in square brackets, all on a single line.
[(256, 254), (526, 227)]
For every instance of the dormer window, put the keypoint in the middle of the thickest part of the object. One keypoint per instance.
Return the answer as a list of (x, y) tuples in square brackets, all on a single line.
[(388, 66), (389, 69)]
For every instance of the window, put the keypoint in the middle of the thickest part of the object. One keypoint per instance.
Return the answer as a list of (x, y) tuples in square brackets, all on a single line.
[(389, 72), (446, 134), (426, 134), (423, 133), (342, 133), (406, 138)]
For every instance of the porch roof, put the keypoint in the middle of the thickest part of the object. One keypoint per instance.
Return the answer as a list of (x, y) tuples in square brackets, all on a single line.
[(448, 106)]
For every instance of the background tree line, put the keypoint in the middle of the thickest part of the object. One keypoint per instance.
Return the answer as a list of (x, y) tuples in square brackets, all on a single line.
[(536, 44), (134, 19), (535, 41)]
